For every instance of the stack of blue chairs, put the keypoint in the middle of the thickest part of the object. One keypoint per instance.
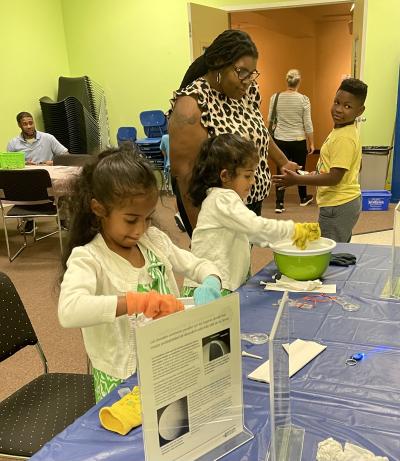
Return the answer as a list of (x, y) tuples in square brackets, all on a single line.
[(155, 125), (126, 134)]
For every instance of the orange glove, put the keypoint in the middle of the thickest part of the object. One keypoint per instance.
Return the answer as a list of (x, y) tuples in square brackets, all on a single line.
[(152, 304)]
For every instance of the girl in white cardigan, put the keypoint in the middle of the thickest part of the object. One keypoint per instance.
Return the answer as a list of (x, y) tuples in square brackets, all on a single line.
[(117, 265), (222, 177)]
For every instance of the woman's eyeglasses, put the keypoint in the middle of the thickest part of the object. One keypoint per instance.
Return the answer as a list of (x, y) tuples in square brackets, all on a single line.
[(244, 74)]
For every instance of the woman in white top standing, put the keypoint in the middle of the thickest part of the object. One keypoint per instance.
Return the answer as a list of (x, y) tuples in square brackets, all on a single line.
[(294, 131)]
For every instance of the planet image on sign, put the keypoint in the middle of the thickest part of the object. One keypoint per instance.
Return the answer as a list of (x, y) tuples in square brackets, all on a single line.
[(173, 421), (216, 345), (214, 349)]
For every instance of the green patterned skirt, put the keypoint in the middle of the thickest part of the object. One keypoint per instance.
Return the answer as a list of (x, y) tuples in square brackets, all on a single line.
[(187, 292), (103, 384)]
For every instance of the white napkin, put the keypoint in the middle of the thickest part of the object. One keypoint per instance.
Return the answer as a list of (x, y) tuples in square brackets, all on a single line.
[(300, 353), (288, 284), (331, 450)]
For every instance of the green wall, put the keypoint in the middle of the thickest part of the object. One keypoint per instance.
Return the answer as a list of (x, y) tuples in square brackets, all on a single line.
[(138, 52), (33, 55), (381, 71)]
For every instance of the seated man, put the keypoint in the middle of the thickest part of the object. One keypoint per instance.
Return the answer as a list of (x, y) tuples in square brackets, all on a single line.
[(39, 147)]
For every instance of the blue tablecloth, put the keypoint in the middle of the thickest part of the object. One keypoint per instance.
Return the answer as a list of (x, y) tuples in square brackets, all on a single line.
[(359, 404)]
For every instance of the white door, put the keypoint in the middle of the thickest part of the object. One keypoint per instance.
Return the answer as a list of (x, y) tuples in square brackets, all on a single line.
[(358, 38), (205, 23)]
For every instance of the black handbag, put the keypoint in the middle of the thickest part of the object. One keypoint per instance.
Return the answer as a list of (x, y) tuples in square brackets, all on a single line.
[(274, 118)]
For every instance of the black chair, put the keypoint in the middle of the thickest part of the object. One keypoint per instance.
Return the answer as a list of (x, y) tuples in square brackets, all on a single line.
[(31, 193), (72, 159), (44, 407)]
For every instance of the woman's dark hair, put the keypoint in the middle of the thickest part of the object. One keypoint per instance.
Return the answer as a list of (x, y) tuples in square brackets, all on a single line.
[(113, 176), (223, 152), (225, 50)]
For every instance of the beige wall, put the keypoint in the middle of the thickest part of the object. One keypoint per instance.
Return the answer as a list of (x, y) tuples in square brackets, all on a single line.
[(322, 54), (333, 61)]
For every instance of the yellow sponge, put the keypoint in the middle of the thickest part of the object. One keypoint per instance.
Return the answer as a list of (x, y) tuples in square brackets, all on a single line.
[(304, 233), (123, 415)]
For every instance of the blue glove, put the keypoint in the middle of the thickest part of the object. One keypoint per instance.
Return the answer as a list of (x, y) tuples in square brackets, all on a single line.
[(209, 290)]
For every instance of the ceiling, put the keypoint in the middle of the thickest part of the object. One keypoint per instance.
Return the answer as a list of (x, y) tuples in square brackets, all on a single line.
[(296, 22), (338, 11)]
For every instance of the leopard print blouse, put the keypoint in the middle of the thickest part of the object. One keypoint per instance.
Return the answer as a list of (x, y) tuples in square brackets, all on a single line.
[(221, 114)]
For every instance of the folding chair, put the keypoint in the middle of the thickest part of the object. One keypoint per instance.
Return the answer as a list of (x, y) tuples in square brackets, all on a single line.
[(31, 193), (44, 407)]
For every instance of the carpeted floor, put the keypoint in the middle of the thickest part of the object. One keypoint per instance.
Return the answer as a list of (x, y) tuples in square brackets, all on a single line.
[(376, 238), (35, 273)]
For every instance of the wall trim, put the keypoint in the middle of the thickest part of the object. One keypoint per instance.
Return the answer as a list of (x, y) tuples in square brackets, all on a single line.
[(281, 4)]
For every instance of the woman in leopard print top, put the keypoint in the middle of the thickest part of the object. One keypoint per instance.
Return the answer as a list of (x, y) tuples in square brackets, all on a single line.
[(219, 95)]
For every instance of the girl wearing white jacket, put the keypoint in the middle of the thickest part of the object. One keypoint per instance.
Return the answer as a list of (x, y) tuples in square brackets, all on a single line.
[(222, 177), (116, 265)]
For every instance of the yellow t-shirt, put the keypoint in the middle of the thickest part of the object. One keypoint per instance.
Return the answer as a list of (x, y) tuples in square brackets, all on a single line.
[(341, 149)]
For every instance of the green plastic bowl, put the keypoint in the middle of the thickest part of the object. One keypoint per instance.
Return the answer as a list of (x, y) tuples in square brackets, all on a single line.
[(308, 264)]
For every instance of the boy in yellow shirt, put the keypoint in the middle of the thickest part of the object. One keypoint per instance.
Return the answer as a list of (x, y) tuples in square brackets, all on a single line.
[(336, 178)]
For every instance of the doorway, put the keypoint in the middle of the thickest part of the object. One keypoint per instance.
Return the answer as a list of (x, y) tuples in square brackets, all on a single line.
[(323, 41), (316, 40)]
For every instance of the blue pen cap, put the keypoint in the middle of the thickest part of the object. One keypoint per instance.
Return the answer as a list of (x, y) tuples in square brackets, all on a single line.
[(358, 356)]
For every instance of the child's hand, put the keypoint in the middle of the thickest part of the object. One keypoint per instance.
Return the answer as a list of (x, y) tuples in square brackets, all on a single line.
[(152, 304), (288, 178), (168, 305), (209, 290)]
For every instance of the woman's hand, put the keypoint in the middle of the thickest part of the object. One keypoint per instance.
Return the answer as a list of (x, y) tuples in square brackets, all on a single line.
[(291, 166), (310, 149)]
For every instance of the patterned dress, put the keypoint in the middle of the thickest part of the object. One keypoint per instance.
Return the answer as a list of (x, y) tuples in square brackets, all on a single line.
[(220, 114)]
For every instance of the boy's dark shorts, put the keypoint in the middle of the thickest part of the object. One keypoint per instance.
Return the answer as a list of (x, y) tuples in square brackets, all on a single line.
[(337, 222)]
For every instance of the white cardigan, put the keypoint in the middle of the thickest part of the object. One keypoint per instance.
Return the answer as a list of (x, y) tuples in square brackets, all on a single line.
[(225, 228), (94, 279)]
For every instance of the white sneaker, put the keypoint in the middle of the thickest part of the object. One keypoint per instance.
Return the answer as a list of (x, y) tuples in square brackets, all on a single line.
[(306, 200)]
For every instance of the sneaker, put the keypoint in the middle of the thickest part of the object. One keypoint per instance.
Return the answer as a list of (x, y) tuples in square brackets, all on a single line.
[(179, 222), (306, 200), (26, 226), (279, 208)]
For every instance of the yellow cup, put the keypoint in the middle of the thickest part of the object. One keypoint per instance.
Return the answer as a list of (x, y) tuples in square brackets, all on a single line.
[(123, 415)]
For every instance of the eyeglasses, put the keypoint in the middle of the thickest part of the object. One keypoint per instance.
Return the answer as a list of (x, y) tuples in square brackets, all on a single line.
[(244, 74)]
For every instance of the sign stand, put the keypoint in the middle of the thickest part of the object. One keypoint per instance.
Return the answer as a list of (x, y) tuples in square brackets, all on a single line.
[(286, 439), (190, 375)]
